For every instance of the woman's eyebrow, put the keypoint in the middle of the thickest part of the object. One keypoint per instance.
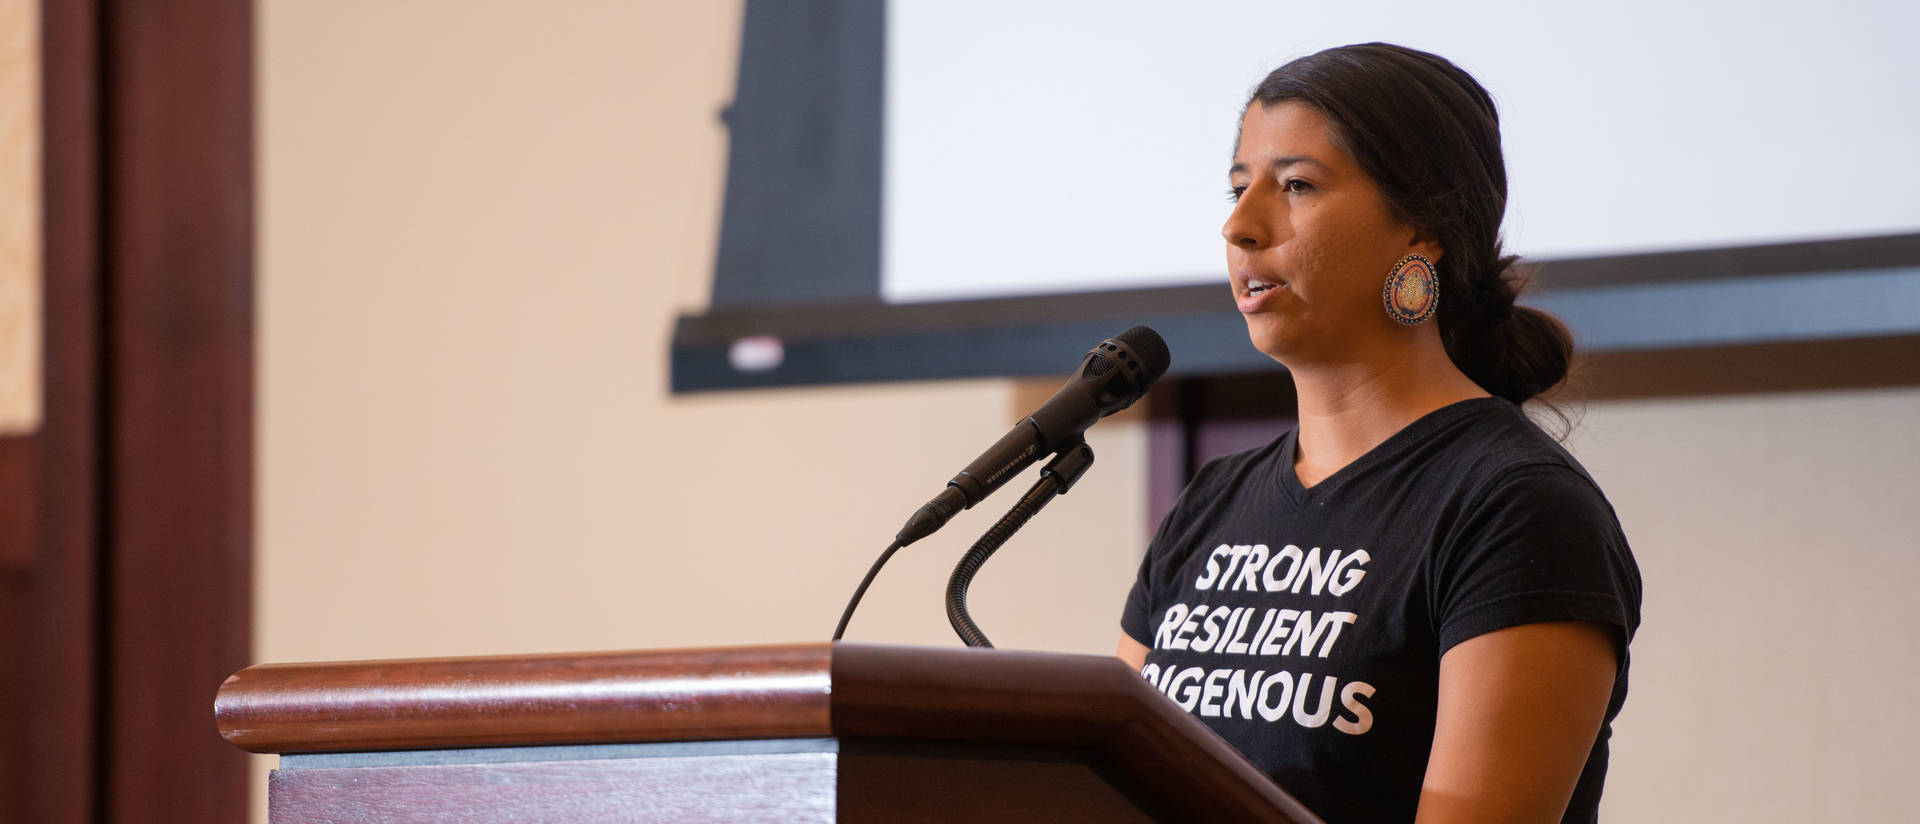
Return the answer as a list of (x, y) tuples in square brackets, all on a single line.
[(1278, 164)]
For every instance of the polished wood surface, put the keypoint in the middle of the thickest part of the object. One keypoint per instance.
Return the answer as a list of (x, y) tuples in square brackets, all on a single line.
[(912, 699), (1089, 701), (933, 785), (439, 703)]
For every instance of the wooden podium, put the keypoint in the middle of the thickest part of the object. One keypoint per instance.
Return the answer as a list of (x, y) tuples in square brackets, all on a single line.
[(810, 733)]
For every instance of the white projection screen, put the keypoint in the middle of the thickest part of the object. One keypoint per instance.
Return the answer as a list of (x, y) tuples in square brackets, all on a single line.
[(1050, 146), (934, 188)]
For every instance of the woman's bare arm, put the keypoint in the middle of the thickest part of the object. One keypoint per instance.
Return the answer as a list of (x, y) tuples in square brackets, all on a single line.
[(1519, 709), (1133, 652)]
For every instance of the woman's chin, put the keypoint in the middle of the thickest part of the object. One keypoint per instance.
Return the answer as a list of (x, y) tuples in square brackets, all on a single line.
[(1270, 337)]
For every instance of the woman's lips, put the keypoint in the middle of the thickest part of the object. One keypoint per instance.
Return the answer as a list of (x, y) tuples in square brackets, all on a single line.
[(1254, 292)]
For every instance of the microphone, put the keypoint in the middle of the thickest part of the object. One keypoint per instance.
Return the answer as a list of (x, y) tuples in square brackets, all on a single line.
[(1113, 375)]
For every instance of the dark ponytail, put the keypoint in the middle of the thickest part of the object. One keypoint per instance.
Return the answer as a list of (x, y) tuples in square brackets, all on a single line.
[(1429, 136), (1513, 352)]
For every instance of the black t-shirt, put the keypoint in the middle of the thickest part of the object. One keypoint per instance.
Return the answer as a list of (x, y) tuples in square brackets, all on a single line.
[(1306, 625)]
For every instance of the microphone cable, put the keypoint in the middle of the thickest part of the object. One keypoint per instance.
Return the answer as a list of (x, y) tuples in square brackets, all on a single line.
[(862, 590)]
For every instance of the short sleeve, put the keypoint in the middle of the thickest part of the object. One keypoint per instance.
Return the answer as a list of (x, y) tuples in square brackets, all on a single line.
[(1134, 619), (1541, 545)]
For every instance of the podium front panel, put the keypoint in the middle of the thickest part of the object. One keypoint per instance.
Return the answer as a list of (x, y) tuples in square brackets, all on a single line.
[(739, 782), (752, 782)]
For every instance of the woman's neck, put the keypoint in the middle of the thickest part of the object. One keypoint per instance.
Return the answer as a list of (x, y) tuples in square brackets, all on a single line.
[(1347, 409)]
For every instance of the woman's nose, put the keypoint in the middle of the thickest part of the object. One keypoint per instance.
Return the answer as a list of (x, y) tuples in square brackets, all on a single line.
[(1246, 226)]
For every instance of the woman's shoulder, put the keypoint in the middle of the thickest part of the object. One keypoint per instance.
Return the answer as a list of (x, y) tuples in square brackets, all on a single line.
[(1531, 537), (1491, 453), (1493, 440)]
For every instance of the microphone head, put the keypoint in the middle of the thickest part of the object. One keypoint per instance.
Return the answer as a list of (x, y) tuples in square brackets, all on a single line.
[(1151, 350), (1136, 357)]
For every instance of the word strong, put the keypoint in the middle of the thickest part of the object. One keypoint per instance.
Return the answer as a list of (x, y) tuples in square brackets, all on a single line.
[(1257, 569)]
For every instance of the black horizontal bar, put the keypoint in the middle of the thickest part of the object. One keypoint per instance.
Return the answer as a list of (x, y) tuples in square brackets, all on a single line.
[(1689, 299)]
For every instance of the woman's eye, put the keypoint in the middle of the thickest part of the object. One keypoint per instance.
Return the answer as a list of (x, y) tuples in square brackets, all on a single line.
[(1233, 193), (1296, 186)]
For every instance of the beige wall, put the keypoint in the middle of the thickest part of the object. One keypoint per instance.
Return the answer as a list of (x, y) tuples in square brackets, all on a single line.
[(1777, 539), (19, 217), (470, 263), (478, 220)]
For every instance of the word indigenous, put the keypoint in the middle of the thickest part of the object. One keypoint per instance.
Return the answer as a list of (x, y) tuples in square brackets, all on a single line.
[(1305, 698)]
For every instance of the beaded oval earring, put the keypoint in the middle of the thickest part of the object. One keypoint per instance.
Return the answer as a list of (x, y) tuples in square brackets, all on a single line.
[(1412, 293)]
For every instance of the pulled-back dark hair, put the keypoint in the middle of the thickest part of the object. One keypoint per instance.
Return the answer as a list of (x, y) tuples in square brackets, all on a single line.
[(1428, 135)]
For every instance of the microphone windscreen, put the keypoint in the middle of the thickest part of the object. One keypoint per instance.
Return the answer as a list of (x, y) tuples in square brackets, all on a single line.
[(1152, 350)]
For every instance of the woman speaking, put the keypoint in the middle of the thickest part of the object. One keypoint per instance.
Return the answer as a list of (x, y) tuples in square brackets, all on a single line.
[(1415, 605)]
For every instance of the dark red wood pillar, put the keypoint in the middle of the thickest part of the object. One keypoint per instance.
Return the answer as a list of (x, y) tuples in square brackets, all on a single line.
[(177, 243), (126, 519)]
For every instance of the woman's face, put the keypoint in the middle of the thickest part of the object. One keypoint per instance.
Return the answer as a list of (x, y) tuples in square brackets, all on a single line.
[(1310, 240)]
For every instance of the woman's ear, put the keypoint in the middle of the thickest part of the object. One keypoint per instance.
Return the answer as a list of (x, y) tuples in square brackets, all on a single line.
[(1427, 244)]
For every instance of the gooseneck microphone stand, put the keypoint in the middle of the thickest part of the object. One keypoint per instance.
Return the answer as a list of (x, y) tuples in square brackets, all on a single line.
[(1112, 375), (1055, 479)]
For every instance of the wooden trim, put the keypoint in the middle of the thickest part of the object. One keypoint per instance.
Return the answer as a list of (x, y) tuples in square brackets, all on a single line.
[(51, 753), (19, 545), (438, 703)]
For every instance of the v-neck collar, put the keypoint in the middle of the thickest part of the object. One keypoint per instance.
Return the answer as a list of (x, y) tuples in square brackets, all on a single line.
[(1413, 433)]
